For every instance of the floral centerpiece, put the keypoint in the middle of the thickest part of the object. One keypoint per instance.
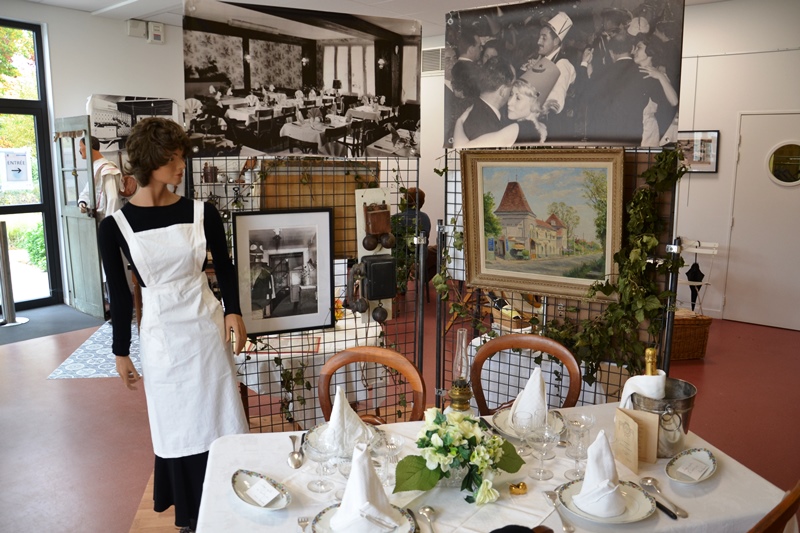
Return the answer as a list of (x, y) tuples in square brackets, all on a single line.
[(455, 444)]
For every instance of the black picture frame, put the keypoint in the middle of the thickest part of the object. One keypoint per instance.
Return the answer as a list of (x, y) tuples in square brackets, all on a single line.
[(284, 262), (700, 150)]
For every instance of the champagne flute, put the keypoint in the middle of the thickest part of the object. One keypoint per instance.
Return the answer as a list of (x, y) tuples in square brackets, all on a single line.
[(544, 439), (542, 417), (320, 452), (522, 422)]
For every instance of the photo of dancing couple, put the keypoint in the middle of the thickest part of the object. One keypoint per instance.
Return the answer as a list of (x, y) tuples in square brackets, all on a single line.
[(592, 73)]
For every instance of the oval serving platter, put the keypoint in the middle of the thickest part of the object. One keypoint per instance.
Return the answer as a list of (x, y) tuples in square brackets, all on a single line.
[(242, 480)]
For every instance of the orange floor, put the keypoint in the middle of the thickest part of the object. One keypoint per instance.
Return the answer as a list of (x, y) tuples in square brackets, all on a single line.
[(75, 455)]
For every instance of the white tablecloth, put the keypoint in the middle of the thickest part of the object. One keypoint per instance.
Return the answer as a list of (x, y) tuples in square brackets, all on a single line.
[(258, 370), (314, 132), (384, 147), (733, 500), (368, 112)]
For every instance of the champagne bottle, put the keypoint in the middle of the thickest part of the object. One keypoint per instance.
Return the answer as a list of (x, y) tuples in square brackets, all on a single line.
[(650, 362)]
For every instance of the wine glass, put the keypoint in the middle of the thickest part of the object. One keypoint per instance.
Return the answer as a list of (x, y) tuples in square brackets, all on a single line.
[(522, 422), (544, 439), (578, 452), (321, 453), (542, 417), (386, 449)]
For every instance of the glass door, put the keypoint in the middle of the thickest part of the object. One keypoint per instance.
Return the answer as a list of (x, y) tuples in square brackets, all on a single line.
[(27, 194)]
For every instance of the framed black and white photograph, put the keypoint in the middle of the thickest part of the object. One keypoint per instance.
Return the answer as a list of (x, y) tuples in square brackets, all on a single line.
[(263, 79), (543, 222), (284, 261), (561, 72), (699, 150)]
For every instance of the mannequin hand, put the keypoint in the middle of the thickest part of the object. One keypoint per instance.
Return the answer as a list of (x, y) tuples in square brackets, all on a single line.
[(127, 371), (235, 323)]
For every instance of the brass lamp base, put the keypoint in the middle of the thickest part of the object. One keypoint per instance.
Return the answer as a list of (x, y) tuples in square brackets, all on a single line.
[(460, 395)]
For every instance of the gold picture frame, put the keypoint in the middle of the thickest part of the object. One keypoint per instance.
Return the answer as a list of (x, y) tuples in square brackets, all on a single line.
[(555, 219)]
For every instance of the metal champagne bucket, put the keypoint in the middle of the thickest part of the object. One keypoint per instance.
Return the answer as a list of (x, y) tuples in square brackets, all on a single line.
[(675, 411)]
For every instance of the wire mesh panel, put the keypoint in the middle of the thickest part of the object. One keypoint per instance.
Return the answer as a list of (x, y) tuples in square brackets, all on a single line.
[(280, 370), (488, 312)]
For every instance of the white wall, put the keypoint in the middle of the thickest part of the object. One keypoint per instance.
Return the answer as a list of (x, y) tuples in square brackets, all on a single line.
[(738, 55), (93, 55)]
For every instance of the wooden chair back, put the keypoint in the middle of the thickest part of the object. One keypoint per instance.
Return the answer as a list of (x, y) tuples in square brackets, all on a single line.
[(524, 341), (382, 356), (776, 520)]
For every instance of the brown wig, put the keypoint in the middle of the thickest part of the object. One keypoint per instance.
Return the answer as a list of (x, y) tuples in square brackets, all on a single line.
[(150, 145)]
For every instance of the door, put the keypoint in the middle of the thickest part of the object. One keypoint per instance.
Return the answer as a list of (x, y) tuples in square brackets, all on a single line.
[(763, 284), (27, 191), (80, 230)]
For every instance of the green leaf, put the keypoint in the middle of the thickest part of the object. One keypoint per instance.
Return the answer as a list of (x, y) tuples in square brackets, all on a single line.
[(412, 474), (511, 461)]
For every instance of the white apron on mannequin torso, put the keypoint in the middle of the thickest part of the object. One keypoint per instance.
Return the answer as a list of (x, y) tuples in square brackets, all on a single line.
[(187, 368)]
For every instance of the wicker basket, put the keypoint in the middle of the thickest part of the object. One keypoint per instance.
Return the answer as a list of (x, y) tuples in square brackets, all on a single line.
[(689, 336)]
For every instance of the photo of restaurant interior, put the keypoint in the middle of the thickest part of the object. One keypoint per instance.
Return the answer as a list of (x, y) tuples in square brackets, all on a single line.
[(435, 340)]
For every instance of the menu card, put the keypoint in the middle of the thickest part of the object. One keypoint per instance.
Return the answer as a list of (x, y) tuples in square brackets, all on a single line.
[(635, 437)]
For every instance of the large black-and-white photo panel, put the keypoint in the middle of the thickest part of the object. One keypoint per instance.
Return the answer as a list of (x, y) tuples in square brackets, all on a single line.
[(272, 80), (556, 72), (284, 261)]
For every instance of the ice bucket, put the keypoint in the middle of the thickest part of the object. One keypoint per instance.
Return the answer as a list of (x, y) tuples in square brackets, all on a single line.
[(675, 411)]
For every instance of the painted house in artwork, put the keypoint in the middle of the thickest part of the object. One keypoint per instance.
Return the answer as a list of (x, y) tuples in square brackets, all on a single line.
[(524, 235)]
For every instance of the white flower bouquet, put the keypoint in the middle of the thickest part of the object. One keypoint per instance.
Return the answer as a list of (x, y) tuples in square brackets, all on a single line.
[(457, 442)]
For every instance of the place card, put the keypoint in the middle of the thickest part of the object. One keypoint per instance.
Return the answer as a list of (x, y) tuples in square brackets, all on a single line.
[(636, 437), (262, 492), (693, 468)]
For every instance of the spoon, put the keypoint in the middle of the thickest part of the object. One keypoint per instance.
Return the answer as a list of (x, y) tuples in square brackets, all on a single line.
[(553, 499), (295, 458), (428, 513), (653, 482)]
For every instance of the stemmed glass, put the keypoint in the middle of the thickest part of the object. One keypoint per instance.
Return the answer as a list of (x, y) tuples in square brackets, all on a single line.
[(522, 422), (544, 438), (386, 449), (580, 425), (578, 452), (542, 416), (321, 453)]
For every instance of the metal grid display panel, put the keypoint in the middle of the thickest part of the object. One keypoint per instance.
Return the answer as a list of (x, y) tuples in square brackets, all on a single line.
[(504, 379), (280, 371)]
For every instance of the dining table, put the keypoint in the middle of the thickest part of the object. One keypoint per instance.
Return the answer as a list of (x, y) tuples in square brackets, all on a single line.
[(368, 112), (733, 499), (387, 147), (314, 132)]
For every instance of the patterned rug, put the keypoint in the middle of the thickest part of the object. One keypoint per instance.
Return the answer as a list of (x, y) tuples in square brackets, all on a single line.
[(93, 359)]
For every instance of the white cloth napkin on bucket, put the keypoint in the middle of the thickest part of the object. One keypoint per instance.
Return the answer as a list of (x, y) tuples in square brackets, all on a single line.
[(531, 399), (364, 503), (345, 427), (600, 493), (649, 386)]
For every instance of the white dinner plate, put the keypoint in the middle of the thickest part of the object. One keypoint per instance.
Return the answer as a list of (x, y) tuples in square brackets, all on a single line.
[(244, 479), (502, 421), (322, 522), (638, 504), (698, 454)]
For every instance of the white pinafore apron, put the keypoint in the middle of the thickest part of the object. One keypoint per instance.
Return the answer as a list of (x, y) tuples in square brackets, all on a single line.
[(188, 371)]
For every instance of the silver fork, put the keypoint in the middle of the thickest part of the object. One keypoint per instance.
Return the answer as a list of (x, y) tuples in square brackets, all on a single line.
[(303, 522)]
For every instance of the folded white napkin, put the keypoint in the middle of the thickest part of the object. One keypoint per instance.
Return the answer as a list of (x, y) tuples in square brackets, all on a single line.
[(600, 494), (531, 399), (649, 386), (298, 94), (230, 92), (345, 427), (364, 495)]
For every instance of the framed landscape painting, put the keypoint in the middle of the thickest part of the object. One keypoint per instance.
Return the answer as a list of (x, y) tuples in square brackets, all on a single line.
[(543, 221)]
